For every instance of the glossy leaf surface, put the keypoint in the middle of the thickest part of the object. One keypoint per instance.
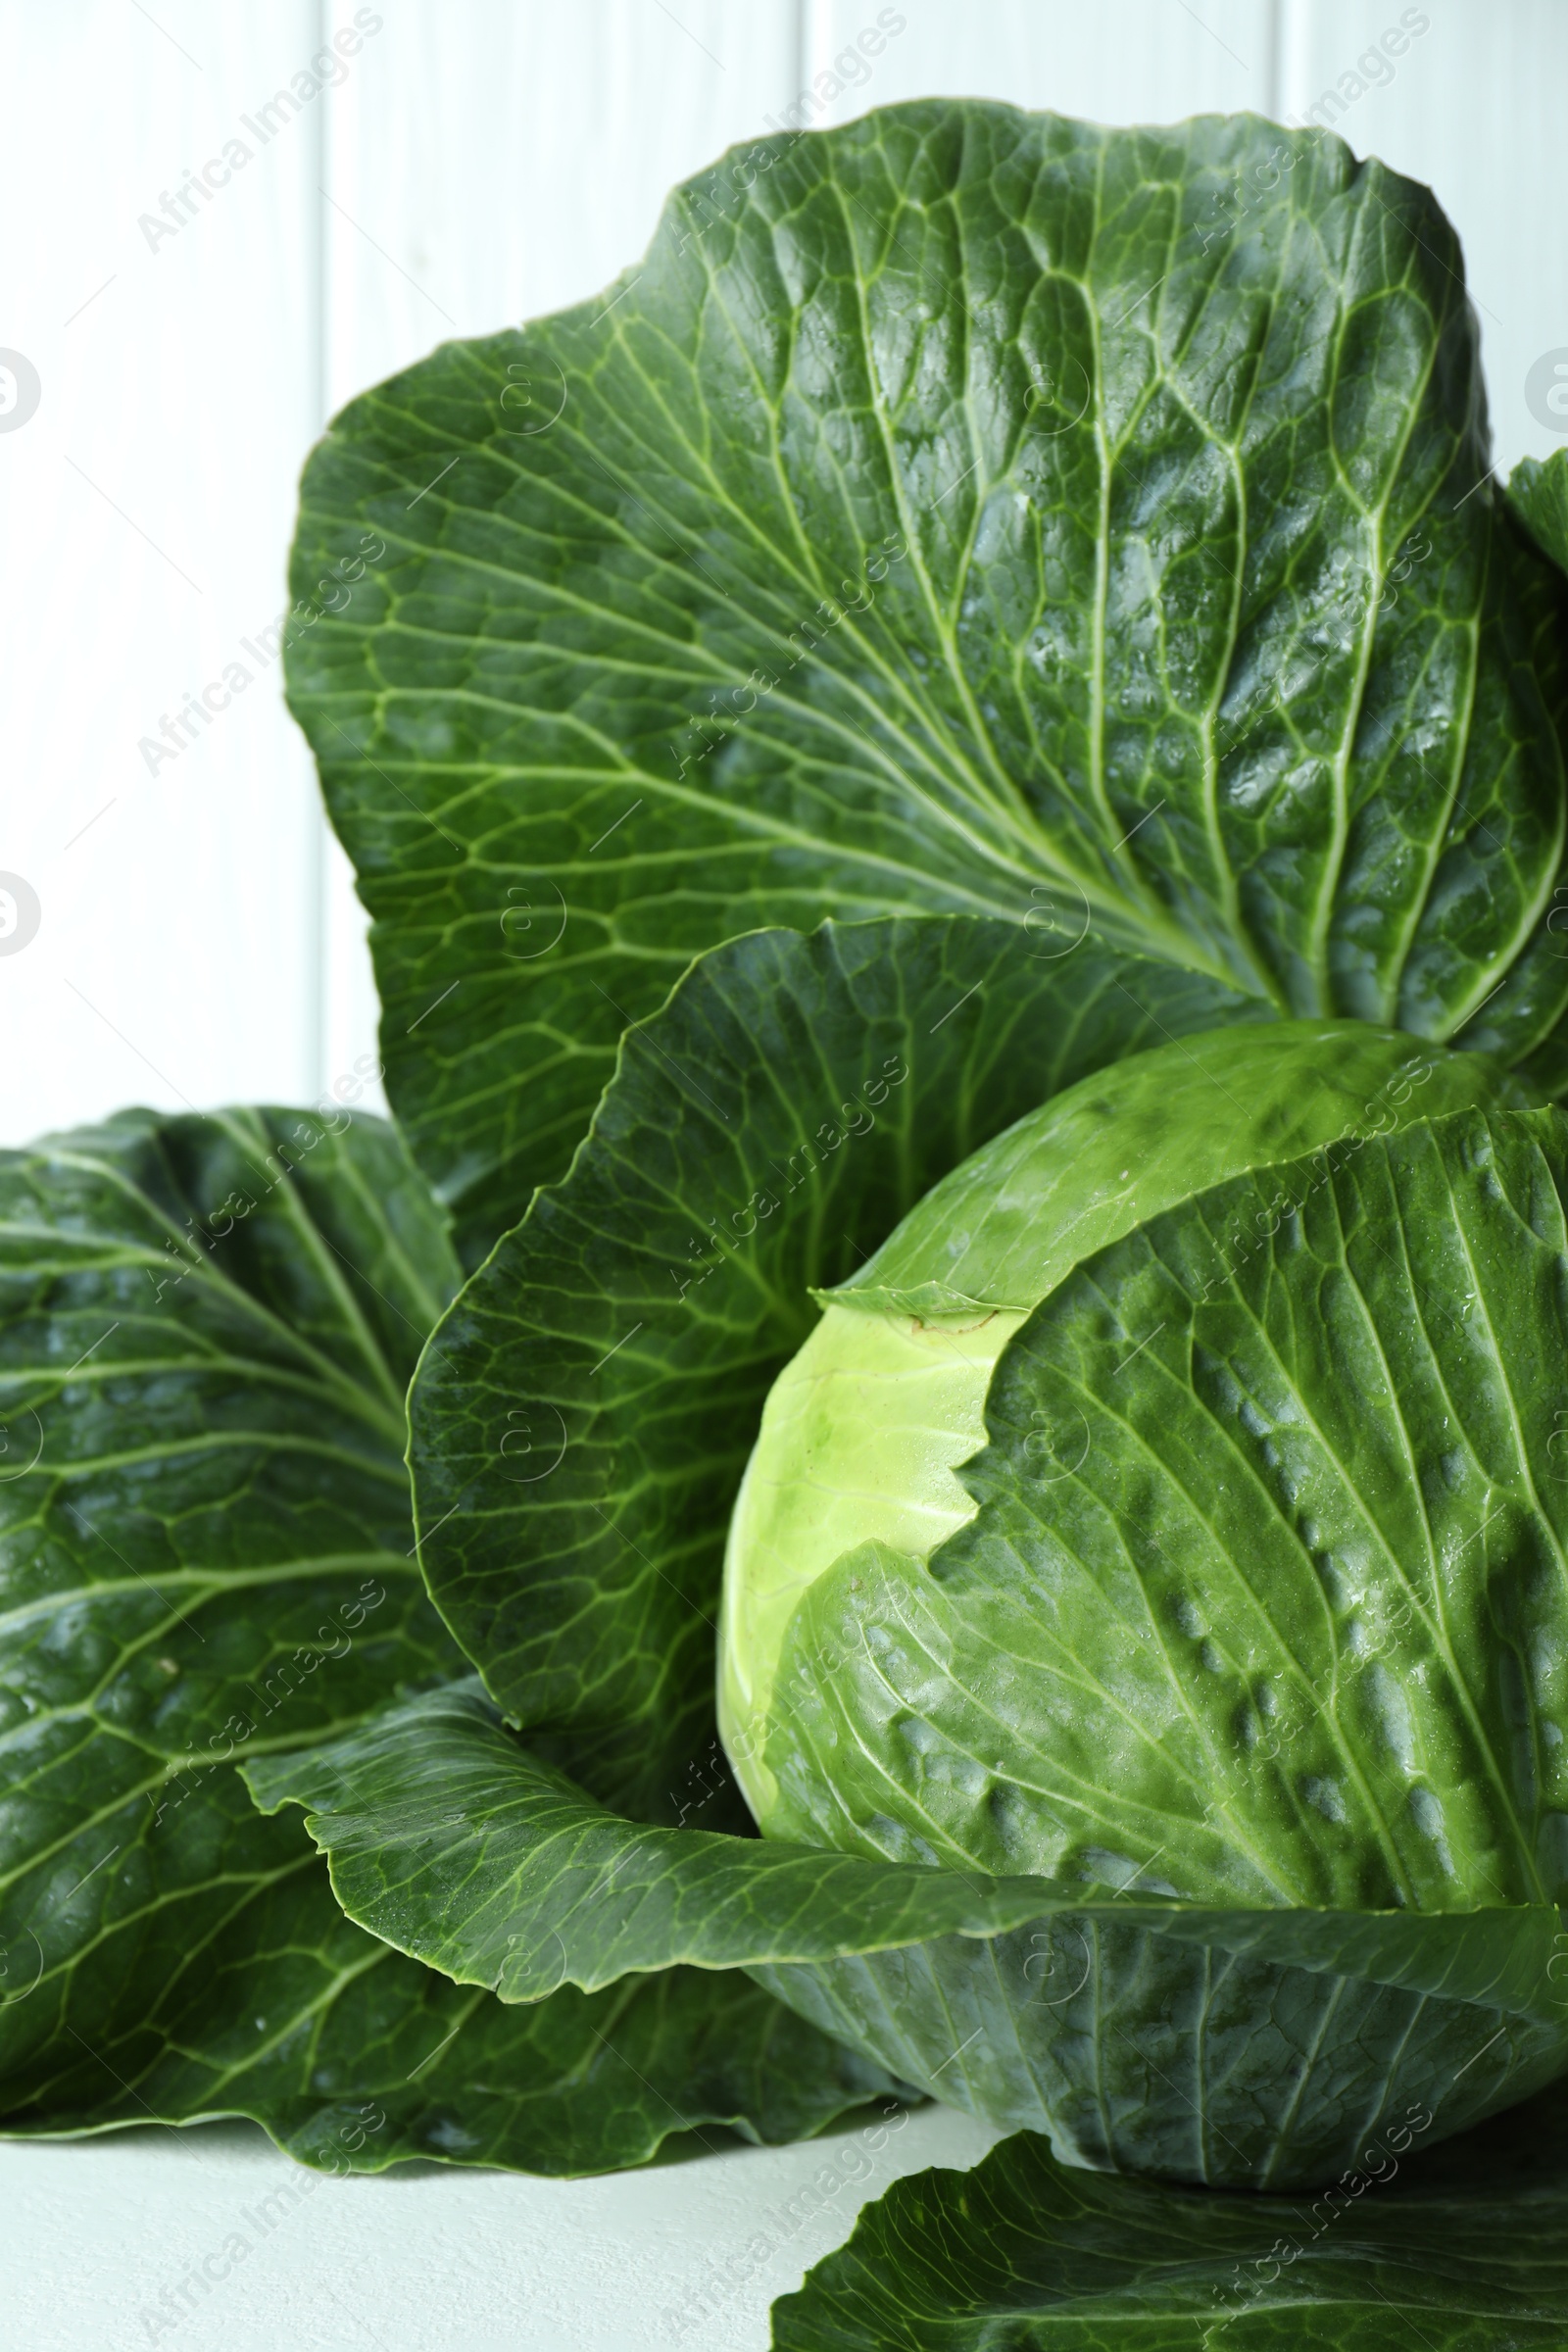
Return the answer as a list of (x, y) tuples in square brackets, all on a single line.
[(961, 511), (1459, 2249), (583, 1416), (206, 1327)]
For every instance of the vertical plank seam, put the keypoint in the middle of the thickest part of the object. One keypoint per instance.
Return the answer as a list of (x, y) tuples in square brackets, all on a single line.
[(316, 1015), (817, 29), (1290, 99)]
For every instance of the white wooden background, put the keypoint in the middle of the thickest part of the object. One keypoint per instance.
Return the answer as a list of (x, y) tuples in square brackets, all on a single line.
[(480, 161)]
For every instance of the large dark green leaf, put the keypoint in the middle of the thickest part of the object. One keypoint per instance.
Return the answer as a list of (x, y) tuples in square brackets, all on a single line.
[(583, 1416), (205, 1553), (1464, 2249), (963, 510), (1229, 2044), (272, 2006)]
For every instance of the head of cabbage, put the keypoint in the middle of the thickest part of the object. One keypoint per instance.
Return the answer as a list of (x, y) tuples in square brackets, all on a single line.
[(1159, 1512), (1143, 1633)]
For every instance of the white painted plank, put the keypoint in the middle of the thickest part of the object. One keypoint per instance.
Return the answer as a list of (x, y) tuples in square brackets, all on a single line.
[(1473, 106), (496, 160), (1109, 61), (490, 160), (147, 506)]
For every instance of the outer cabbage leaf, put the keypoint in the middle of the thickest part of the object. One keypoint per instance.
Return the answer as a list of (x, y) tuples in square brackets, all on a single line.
[(205, 1553), (1461, 2249), (1027, 2000), (581, 1420), (964, 509), (448, 1838)]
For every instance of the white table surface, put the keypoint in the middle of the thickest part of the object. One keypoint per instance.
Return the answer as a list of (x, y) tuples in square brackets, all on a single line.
[(120, 2241)]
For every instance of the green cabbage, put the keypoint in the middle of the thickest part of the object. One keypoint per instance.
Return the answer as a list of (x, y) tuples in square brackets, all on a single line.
[(965, 845), (863, 1432)]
